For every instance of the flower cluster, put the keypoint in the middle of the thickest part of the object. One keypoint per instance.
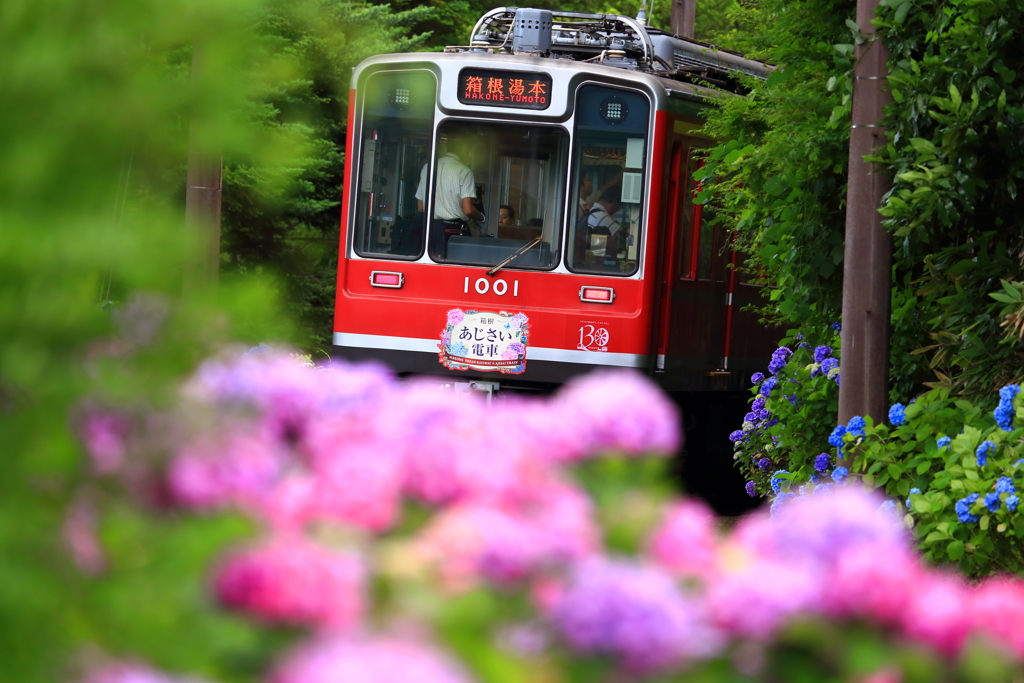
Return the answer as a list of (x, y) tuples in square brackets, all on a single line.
[(330, 464), (1005, 412)]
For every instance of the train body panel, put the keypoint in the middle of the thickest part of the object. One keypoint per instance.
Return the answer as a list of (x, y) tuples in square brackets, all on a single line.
[(609, 264)]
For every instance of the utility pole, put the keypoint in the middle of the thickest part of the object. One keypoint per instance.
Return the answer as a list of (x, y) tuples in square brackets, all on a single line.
[(867, 257), (202, 203), (684, 13)]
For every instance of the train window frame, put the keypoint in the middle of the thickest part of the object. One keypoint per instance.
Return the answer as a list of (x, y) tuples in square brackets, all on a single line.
[(373, 239), (439, 245), (639, 181)]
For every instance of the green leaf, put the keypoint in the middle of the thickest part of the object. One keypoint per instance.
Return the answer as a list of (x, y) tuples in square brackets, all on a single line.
[(901, 12), (955, 550)]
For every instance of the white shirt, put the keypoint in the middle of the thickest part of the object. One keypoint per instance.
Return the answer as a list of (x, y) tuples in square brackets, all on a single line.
[(600, 218), (454, 183)]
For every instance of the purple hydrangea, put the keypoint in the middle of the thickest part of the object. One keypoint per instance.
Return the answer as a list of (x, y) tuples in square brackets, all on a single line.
[(822, 462), (836, 437), (963, 509), (983, 452), (634, 613), (762, 415), (736, 436), (757, 377), (1005, 485), (758, 404), (779, 359), (839, 474), (828, 365), (821, 353), (751, 489), (992, 502), (897, 416), (943, 442), (856, 426), (764, 463), (750, 417), (791, 398)]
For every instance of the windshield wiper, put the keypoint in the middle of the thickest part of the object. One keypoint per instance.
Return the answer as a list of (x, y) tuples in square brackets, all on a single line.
[(522, 250)]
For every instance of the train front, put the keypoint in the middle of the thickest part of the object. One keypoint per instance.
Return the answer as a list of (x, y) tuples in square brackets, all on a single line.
[(547, 270)]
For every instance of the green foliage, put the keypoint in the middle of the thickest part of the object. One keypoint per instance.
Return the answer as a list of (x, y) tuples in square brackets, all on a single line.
[(957, 160), (803, 393), (283, 217), (97, 105), (908, 457), (779, 180)]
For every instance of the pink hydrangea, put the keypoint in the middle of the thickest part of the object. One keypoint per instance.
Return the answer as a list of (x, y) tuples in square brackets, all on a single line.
[(289, 579), (363, 660), (617, 412), (508, 543), (104, 435), (753, 596), (634, 613), (686, 542), (240, 468), (996, 608), (872, 581), (456, 316), (936, 613)]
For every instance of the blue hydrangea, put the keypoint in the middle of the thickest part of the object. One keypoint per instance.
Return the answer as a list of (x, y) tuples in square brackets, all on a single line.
[(822, 462), (776, 482), (757, 377), (791, 398), (1008, 392), (1011, 502), (762, 415), (750, 489), (779, 358), (856, 425), (1004, 414), (910, 493), (736, 436), (779, 501), (1005, 485), (963, 509), (983, 452), (774, 421), (757, 405), (839, 474), (750, 417), (829, 364), (821, 353), (768, 385), (836, 437), (943, 442), (817, 479), (836, 327), (992, 502), (764, 463), (888, 506), (823, 488), (897, 416)]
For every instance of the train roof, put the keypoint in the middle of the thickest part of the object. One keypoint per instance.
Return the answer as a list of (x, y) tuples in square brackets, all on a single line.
[(610, 40)]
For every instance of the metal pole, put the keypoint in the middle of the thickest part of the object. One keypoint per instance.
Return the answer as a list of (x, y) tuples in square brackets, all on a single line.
[(684, 13), (867, 257), (202, 205)]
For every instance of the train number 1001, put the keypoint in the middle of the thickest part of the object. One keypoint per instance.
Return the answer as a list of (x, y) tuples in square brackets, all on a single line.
[(483, 285)]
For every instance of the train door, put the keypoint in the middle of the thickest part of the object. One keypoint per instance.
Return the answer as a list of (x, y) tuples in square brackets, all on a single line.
[(697, 312)]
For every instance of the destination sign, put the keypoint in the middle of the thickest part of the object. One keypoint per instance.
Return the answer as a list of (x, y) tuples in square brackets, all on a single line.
[(497, 88)]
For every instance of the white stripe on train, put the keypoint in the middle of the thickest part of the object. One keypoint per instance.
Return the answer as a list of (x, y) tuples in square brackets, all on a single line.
[(377, 341)]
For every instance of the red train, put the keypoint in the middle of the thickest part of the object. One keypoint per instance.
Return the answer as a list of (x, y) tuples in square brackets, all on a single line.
[(520, 210)]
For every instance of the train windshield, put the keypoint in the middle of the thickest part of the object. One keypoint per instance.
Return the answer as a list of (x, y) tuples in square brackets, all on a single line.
[(398, 121), (608, 161), (496, 191)]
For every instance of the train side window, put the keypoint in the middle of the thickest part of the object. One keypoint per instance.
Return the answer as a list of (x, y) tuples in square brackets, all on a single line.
[(609, 162), (688, 214), (398, 118)]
